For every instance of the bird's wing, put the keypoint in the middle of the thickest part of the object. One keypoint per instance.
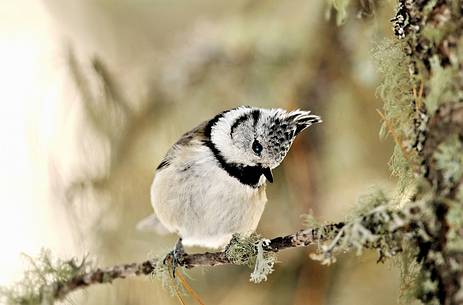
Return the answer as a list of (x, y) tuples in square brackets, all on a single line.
[(193, 137), (196, 136)]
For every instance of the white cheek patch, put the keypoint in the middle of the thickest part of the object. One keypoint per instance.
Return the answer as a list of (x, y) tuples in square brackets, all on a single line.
[(224, 143), (232, 149)]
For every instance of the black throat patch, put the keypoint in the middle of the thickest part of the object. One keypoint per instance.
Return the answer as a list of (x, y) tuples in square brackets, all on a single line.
[(248, 175)]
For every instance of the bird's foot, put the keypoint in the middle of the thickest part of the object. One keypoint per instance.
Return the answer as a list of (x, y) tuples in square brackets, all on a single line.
[(232, 241), (266, 242), (176, 257)]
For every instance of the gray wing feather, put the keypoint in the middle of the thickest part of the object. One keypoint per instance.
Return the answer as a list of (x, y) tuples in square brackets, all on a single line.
[(192, 137)]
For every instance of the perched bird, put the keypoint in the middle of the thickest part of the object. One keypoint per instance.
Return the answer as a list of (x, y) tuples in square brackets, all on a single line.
[(211, 183)]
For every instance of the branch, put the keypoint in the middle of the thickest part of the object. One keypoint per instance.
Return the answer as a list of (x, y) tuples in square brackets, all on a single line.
[(302, 238), (429, 30), (381, 226)]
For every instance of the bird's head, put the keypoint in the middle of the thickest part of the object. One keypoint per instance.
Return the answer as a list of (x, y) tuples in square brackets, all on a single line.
[(256, 137)]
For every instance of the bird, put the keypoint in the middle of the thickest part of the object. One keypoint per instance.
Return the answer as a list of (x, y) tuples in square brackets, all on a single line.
[(211, 184)]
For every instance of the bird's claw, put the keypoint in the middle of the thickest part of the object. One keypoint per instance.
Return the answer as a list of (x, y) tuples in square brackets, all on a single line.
[(175, 257), (266, 242)]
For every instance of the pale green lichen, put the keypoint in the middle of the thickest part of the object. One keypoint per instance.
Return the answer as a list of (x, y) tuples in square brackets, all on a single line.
[(163, 273), (428, 7), (435, 35), (242, 249), (341, 10), (263, 265), (309, 220), (395, 91), (248, 250), (395, 233), (402, 168), (426, 286), (454, 219), (437, 32), (410, 270), (459, 196), (378, 227), (374, 198), (449, 161), (440, 84), (40, 282)]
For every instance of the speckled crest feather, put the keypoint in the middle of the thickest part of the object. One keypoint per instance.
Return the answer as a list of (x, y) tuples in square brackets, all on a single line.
[(282, 127)]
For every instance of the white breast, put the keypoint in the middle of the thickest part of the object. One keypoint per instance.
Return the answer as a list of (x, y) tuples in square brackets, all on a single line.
[(198, 200)]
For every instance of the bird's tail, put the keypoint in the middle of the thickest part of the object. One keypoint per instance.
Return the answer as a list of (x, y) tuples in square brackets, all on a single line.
[(152, 224)]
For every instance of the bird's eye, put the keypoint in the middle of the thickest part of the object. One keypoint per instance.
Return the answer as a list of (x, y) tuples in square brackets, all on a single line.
[(257, 147)]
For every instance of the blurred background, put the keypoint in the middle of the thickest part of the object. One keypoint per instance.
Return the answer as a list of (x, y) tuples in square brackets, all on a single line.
[(94, 92)]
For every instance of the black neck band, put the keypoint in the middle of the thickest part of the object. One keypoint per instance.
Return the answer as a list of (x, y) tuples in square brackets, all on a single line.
[(248, 175)]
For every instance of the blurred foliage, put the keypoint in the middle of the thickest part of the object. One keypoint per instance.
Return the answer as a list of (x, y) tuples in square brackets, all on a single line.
[(341, 8), (39, 283)]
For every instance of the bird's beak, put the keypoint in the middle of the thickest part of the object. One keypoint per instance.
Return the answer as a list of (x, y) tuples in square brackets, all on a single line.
[(268, 174)]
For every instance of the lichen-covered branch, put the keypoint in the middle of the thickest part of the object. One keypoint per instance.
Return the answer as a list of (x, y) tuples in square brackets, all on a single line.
[(302, 238), (47, 282), (432, 37), (382, 227)]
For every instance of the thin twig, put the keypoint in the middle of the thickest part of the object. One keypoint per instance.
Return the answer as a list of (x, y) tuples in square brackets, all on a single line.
[(396, 138), (189, 289), (418, 97)]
